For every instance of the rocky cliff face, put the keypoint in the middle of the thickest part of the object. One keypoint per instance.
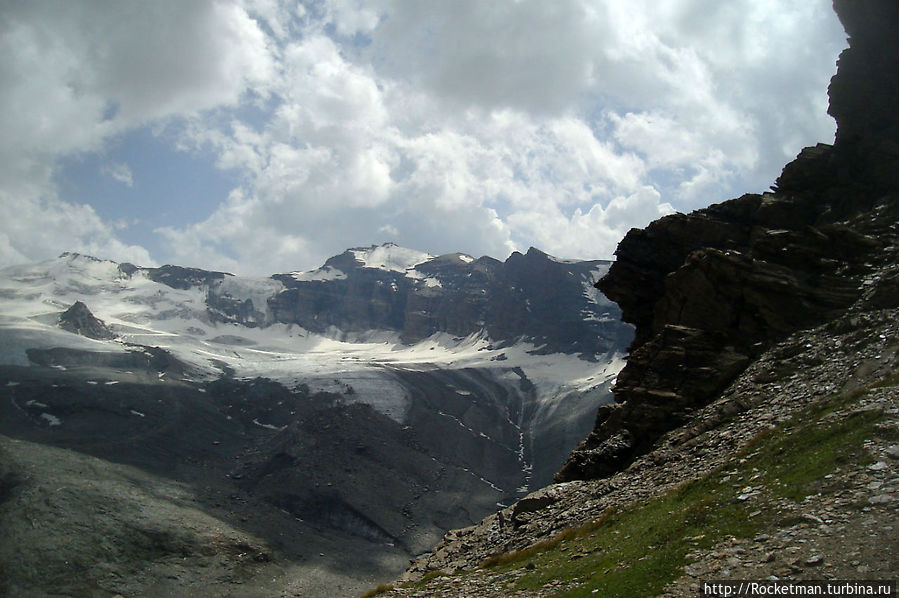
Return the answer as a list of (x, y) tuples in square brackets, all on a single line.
[(78, 319), (709, 291), (532, 296)]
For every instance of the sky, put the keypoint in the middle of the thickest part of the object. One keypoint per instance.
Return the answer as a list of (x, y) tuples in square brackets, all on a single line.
[(263, 136)]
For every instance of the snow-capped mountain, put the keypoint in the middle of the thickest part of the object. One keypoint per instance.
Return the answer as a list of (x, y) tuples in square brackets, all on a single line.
[(481, 375)]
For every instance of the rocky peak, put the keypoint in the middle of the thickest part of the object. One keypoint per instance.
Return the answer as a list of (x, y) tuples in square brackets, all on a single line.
[(79, 320), (532, 296), (864, 90), (709, 291), (179, 277)]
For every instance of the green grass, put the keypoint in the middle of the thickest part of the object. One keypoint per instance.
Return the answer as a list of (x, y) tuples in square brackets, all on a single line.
[(798, 462), (381, 589), (639, 550)]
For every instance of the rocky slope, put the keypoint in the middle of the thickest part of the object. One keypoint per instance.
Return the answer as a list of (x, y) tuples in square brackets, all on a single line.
[(824, 400), (758, 321)]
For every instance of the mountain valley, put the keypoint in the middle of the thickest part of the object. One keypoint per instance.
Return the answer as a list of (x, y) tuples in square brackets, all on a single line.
[(471, 427), (317, 417)]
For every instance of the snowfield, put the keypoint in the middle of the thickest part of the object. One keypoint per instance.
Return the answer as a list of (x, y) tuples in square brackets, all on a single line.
[(143, 312)]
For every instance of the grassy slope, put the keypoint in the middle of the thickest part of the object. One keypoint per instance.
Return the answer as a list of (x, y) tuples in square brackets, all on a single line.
[(638, 550)]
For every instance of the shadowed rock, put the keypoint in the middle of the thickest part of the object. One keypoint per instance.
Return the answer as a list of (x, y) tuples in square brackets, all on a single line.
[(79, 320)]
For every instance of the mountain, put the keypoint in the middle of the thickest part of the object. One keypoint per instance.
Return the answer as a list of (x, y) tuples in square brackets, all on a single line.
[(549, 302), (336, 422), (753, 433)]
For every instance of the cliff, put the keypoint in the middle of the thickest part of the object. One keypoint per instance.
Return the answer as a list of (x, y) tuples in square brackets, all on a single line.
[(709, 291), (532, 296)]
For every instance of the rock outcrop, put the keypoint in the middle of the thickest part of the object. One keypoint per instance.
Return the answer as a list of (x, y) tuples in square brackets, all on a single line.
[(842, 522), (79, 320), (709, 291), (530, 296)]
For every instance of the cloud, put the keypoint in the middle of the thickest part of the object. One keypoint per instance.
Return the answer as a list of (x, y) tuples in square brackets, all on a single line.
[(532, 56), (690, 85), (342, 163), (77, 74), (38, 228), (470, 126), (121, 172), (595, 231)]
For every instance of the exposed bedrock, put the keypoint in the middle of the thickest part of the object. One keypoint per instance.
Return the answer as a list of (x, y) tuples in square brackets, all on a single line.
[(710, 290), (78, 319)]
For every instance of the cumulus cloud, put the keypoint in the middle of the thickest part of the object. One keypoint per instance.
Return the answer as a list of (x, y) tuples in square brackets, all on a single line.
[(691, 86), (121, 172), (76, 74), (33, 227), (481, 127)]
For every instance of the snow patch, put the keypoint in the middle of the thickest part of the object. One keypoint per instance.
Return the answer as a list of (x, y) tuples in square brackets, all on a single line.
[(560, 260), (319, 274), (390, 257), (593, 294), (428, 281), (51, 419), (269, 426)]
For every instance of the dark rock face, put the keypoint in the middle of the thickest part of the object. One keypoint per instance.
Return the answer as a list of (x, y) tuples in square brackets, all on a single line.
[(529, 295), (710, 290), (80, 320), (222, 307), (863, 92), (182, 278)]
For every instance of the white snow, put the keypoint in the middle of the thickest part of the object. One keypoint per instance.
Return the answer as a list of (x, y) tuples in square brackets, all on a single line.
[(591, 292), (465, 258), (428, 281), (268, 426), (323, 273), (51, 419), (560, 260), (390, 257), (144, 312)]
